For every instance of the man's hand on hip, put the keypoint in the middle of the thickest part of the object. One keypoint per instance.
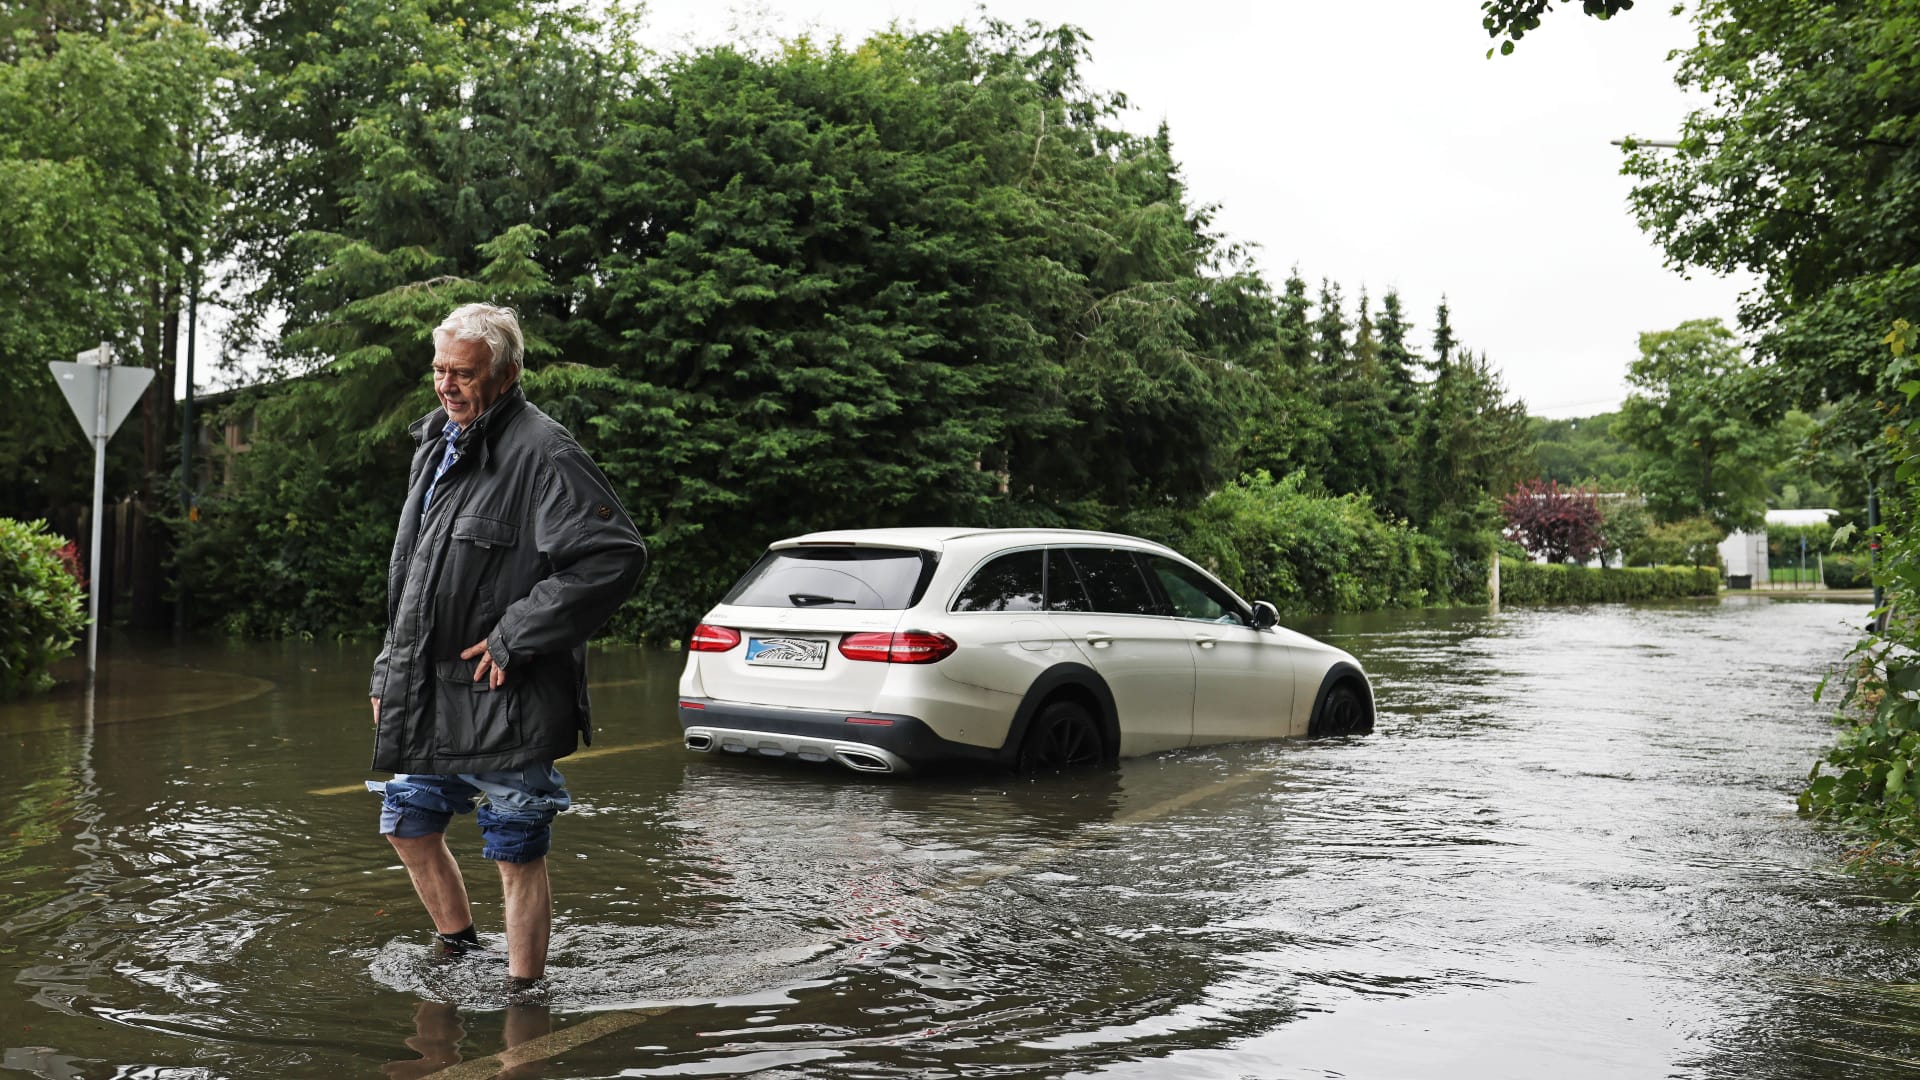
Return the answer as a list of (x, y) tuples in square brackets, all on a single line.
[(486, 668)]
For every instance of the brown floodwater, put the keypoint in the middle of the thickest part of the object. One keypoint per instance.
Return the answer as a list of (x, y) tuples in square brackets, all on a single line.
[(1568, 849)]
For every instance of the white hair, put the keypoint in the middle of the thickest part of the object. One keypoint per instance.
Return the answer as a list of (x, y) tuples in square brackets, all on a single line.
[(499, 327)]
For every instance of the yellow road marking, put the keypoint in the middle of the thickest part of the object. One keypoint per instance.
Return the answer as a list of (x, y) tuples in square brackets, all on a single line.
[(603, 751), (550, 1045), (583, 755)]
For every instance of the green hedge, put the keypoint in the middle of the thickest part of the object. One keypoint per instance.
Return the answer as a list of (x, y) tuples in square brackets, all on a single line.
[(1540, 583), (1305, 552), (1846, 571), (42, 607)]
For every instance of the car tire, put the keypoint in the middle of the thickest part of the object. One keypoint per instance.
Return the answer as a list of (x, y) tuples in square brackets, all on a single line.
[(1063, 736), (1344, 712)]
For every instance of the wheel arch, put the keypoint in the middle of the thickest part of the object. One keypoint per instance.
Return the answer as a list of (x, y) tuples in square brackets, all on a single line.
[(1342, 673), (1067, 682)]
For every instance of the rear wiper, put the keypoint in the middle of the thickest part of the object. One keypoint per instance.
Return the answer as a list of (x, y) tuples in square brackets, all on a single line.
[(807, 599)]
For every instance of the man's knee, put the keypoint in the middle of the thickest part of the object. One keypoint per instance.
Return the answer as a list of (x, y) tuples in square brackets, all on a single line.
[(525, 870), (417, 806), (515, 842)]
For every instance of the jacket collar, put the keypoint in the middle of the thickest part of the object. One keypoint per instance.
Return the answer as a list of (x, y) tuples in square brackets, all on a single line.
[(481, 431)]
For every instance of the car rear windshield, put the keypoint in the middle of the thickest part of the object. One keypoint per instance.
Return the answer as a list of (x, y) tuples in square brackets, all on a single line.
[(835, 577)]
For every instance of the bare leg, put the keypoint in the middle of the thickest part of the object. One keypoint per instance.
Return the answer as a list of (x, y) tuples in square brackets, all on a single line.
[(436, 877), (529, 911)]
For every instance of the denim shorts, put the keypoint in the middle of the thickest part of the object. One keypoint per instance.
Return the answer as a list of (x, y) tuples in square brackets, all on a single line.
[(516, 807)]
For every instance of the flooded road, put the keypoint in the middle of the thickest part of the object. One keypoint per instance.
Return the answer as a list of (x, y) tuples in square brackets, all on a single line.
[(1568, 849)]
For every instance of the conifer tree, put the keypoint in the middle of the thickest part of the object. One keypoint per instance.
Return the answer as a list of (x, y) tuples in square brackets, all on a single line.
[(1356, 396), (1294, 430), (1443, 340), (1402, 393)]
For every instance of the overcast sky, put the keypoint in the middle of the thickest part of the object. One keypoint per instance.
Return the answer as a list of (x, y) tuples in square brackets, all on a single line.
[(1374, 143)]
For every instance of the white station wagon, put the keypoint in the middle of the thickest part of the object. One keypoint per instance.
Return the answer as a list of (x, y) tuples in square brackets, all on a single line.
[(890, 650)]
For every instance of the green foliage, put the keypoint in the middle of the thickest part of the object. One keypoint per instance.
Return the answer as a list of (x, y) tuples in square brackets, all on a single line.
[(1470, 442), (42, 607), (1306, 552), (103, 207), (1512, 19), (272, 554), (910, 282), (1785, 541), (316, 495), (926, 278), (1292, 428), (1555, 583), (1808, 471), (1804, 170), (1846, 571), (1627, 527), (1867, 785), (1583, 450), (1358, 391), (1696, 413), (1691, 541)]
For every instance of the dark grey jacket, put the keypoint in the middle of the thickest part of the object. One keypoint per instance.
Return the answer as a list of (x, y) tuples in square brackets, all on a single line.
[(524, 545)]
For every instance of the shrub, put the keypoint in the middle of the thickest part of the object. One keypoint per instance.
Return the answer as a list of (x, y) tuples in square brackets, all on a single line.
[(1846, 572), (42, 607), (1541, 583), (1783, 541), (1556, 524), (1306, 552), (1687, 542), (1627, 526)]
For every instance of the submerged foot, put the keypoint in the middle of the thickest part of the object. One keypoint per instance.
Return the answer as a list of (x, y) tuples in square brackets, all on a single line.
[(458, 944), (526, 991)]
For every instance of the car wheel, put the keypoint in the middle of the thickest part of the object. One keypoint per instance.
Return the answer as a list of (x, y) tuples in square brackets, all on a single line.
[(1063, 736), (1344, 712)]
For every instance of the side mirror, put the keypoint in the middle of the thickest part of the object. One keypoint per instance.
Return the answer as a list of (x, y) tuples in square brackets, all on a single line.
[(1265, 615)]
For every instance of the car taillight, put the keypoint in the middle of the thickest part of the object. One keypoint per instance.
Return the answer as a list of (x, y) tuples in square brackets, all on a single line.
[(709, 638), (912, 647)]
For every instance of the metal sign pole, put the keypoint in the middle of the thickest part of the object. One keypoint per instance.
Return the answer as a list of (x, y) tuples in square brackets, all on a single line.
[(100, 402), (100, 433)]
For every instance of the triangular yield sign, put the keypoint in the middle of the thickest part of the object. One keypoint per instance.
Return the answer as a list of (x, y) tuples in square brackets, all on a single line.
[(81, 384)]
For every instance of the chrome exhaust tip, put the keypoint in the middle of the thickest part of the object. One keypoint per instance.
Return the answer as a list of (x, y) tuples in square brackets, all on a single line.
[(860, 757), (861, 761)]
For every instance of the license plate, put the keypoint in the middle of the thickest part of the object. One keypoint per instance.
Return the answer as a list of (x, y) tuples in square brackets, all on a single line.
[(787, 652)]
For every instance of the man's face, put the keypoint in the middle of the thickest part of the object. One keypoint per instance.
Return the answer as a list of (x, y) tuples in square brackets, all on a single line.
[(464, 380)]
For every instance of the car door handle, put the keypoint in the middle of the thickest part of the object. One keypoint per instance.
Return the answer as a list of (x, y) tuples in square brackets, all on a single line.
[(1204, 641), (1099, 641)]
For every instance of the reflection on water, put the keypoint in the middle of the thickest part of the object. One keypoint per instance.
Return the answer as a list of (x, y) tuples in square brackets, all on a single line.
[(1568, 848)]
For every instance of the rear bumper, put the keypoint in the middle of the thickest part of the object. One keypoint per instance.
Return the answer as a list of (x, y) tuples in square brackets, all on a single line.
[(864, 742)]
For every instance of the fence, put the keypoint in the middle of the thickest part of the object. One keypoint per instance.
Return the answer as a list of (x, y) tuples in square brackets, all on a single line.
[(1794, 563), (120, 543)]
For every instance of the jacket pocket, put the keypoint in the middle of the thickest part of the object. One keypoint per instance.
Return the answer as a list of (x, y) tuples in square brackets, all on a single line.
[(473, 718), (470, 601), (485, 532)]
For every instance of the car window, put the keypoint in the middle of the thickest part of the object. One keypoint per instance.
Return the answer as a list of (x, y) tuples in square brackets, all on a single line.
[(858, 578), (1010, 582), (1192, 594), (1063, 585), (1113, 582)]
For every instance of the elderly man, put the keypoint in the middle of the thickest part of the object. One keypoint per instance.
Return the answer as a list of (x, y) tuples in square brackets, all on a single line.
[(512, 550)]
